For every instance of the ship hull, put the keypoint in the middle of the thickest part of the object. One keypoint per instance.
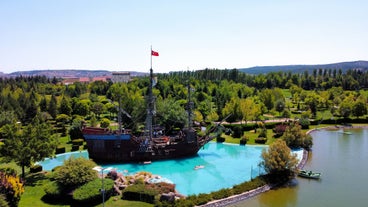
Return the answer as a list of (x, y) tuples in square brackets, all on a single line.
[(126, 148)]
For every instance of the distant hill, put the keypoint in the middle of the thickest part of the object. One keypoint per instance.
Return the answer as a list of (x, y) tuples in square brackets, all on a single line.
[(344, 66), (75, 73), (68, 73)]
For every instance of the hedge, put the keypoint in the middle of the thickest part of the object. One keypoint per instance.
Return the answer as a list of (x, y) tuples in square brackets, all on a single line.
[(53, 189), (35, 169), (139, 192), (77, 142), (75, 147), (60, 150), (91, 191)]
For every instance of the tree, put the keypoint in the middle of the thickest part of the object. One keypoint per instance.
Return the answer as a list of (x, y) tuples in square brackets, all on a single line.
[(278, 160), (52, 108), (31, 144), (75, 172), (81, 108), (280, 105), (75, 130), (359, 108), (105, 123), (65, 106), (97, 108), (295, 138)]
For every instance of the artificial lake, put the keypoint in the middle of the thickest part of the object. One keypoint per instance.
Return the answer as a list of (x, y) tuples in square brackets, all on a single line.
[(224, 165)]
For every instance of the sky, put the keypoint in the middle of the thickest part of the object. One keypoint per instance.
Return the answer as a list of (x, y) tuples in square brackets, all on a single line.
[(117, 35)]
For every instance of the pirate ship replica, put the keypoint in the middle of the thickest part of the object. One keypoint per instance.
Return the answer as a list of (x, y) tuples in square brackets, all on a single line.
[(105, 145)]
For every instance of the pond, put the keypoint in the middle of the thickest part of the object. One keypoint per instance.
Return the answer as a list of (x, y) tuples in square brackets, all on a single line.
[(221, 166), (341, 158)]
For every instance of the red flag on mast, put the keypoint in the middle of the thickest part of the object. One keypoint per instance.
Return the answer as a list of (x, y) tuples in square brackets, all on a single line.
[(154, 53)]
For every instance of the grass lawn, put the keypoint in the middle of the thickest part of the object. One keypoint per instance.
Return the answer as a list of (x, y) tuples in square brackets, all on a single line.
[(33, 196)]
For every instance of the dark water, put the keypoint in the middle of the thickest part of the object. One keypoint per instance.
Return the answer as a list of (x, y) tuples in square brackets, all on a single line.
[(343, 161)]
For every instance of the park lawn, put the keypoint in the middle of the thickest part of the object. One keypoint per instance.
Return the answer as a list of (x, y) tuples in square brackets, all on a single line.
[(251, 135), (33, 195)]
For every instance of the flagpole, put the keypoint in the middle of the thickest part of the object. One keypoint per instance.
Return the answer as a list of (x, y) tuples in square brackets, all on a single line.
[(151, 57)]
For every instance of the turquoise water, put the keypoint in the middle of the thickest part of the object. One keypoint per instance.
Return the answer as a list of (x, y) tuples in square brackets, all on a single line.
[(224, 165)]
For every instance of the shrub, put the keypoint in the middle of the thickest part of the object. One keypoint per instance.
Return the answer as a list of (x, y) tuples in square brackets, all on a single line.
[(201, 199), (304, 123), (139, 192), (3, 202), (60, 150), (35, 169), (53, 189), (220, 139), (11, 187), (9, 171), (260, 140), (75, 172), (104, 123), (223, 193), (77, 142), (75, 148), (243, 140), (279, 130), (91, 191), (249, 185), (237, 131), (162, 187)]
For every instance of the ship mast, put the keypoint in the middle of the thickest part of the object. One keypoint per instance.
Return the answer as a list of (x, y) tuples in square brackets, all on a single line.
[(150, 108), (190, 105)]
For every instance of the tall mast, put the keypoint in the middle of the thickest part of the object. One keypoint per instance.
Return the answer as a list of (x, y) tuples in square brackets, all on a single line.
[(190, 105), (150, 107)]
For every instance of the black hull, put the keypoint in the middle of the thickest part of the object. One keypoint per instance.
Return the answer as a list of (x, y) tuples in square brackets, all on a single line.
[(127, 151)]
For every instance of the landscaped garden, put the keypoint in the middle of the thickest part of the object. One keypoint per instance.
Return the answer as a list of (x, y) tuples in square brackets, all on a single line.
[(40, 117)]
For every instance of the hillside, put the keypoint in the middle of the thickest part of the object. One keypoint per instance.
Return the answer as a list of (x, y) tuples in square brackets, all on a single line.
[(75, 73), (344, 66)]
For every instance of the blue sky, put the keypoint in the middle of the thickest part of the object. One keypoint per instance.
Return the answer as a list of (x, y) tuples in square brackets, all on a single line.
[(116, 35)]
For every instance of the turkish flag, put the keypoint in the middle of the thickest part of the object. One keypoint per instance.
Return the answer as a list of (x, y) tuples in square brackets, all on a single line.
[(154, 53)]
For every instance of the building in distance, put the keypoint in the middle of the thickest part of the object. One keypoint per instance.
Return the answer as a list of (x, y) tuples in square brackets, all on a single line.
[(120, 77)]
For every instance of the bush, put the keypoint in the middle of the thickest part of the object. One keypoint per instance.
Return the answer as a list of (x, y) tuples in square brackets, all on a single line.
[(220, 139), (75, 147), (11, 187), (77, 142), (139, 192), (223, 193), (201, 199), (91, 191), (304, 123), (243, 140), (249, 185), (60, 150), (104, 123), (260, 140), (237, 131), (3, 202), (35, 169), (75, 172), (53, 189), (9, 171)]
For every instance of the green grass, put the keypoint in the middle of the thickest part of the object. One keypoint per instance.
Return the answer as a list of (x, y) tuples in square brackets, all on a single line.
[(34, 193)]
